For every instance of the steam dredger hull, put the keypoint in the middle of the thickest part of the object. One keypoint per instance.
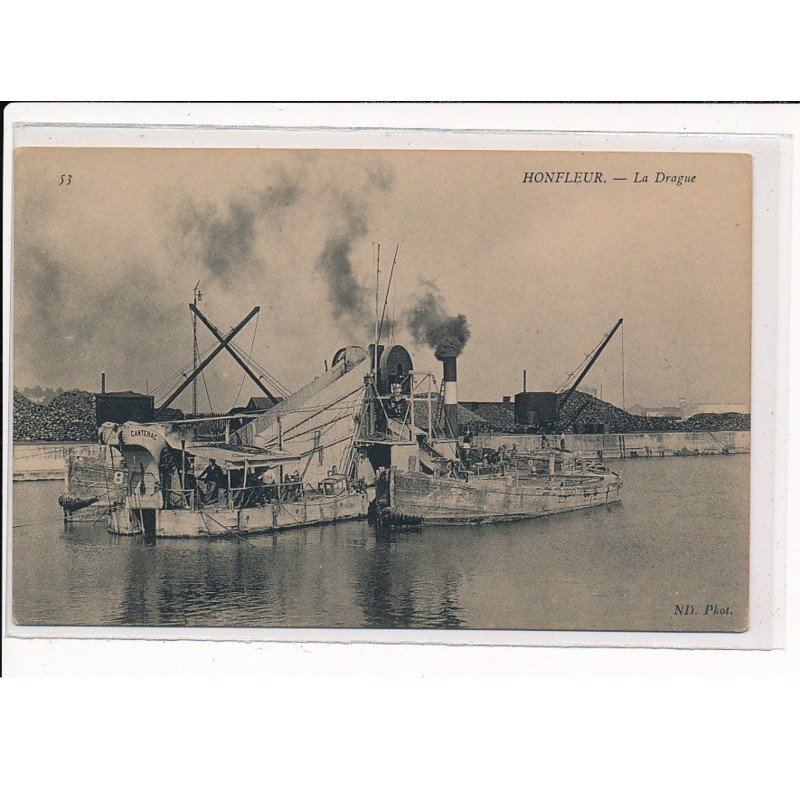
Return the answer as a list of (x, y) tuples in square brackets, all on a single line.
[(221, 522), (412, 498)]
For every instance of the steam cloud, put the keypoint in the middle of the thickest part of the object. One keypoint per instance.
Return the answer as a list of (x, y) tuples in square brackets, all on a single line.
[(429, 323)]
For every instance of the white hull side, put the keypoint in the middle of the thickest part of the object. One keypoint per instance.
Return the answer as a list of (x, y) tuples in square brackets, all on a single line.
[(221, 522)]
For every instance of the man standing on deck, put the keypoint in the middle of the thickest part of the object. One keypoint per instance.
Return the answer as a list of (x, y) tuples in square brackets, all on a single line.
[(214, 477), (466, 447), (270, 489)]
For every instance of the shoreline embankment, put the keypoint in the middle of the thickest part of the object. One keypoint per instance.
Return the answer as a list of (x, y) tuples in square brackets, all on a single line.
[(46, 461), (628, 445)]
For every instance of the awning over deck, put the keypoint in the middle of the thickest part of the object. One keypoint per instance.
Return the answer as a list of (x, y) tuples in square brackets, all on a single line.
[(229, 457)]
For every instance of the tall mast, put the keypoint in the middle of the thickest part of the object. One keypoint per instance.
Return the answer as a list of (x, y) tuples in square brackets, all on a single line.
[(195, 352), (377, 301)]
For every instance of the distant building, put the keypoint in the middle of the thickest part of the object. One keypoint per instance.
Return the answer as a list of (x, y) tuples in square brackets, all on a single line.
[(260, 404), (666, 412), (254, 405), (690, 409), (122, 407)]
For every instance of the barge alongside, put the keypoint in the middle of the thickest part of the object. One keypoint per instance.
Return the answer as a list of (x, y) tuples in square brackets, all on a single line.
[(415, 499), (429, 474)]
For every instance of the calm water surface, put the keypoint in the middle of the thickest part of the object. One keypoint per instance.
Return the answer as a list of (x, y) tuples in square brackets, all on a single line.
[(679, 536)]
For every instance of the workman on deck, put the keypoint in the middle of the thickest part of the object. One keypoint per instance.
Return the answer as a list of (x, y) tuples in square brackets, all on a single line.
[(214, 478), (466, 447), (189, 486), (296, 485), (270, 490), (252, 493)]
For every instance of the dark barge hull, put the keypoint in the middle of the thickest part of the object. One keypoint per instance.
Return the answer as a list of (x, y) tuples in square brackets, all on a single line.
[(413, 499)]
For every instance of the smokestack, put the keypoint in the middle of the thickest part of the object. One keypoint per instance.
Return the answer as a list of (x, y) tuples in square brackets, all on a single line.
[(451, 394), (102, 383), (524, 380)]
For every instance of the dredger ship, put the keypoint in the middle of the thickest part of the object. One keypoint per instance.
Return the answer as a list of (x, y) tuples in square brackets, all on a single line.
[(369, 437), (430, 473)]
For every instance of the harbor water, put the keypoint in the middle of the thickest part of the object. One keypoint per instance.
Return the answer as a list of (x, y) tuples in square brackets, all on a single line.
[(678, 539)]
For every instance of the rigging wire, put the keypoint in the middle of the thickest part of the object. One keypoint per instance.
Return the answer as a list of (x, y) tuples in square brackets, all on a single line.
[(181, 373), (253, 364), (262, 373), (565, 383), (252, 344), (166, 386), (208, 396), (386, 298)]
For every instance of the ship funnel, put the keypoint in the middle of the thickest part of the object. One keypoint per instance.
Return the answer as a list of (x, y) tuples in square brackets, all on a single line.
[(450, 384)]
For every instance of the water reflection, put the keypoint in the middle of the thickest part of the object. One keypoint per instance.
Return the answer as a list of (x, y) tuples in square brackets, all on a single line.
[(397, 589), (681, 530)]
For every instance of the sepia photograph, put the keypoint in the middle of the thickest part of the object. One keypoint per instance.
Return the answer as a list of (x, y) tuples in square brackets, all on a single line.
[(330, 388), (464, 419)]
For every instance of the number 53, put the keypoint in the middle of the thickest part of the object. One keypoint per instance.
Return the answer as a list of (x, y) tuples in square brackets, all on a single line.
[(66, 180)]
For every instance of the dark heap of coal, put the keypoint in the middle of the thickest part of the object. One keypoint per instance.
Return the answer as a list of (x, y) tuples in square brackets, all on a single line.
[(70, 417), (598, 412)]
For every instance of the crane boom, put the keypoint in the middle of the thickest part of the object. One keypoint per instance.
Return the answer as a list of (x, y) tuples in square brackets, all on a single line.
[(586, 369), (196, 311), (206, 361)]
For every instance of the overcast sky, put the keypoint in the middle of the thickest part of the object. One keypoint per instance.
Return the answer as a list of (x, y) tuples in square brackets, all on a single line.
[(104, 267)]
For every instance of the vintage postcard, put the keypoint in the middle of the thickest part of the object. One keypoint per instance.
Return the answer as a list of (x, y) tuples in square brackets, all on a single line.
[(372, 388)]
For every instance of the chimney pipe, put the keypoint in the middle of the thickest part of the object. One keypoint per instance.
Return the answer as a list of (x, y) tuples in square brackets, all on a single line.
[(102, 383), (450, 384), (524, 380)]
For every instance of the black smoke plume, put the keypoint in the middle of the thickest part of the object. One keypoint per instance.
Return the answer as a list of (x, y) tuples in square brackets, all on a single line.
[(89, 299), (67, 323), (429, 323), (225, 238), (347, 295)]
